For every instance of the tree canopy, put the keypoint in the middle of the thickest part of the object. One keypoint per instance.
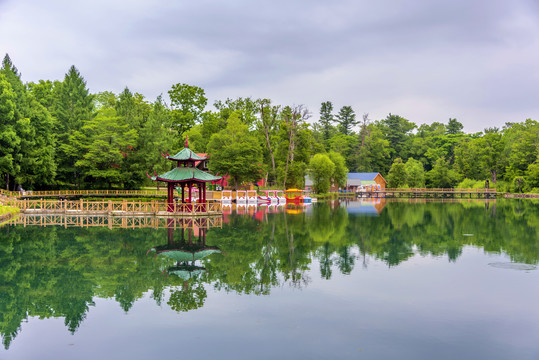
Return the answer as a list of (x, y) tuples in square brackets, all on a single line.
[(52, 132)]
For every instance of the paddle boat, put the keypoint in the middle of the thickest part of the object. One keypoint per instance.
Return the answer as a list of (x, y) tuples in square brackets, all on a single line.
[(252, 196), (241, 196), (296, 196), (269, 197), (280, 197), (226, 196)]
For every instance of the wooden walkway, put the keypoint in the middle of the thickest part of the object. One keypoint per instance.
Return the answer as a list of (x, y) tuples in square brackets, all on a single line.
[(118, 222), (83, 193), (432, 193)]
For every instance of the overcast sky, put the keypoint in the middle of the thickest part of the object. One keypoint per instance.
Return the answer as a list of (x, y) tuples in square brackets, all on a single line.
[(426, 60)]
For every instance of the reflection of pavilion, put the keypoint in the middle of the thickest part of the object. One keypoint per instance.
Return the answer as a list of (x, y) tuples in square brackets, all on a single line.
[(190, 248)]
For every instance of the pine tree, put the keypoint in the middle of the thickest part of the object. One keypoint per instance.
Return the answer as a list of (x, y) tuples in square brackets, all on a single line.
[(326, 119), (74, 107), (9, 140), (347, 120)]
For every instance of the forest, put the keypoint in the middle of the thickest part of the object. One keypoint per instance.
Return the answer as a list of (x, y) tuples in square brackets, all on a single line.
[(58, 135)]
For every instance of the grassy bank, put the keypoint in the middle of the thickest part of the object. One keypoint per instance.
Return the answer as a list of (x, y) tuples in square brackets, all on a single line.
[(7, 212)]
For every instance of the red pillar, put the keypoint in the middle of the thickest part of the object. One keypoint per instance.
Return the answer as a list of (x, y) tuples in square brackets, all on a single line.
[(183, 193), (170, 197), (190, 187)]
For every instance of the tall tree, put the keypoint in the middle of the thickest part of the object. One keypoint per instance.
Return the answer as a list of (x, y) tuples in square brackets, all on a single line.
[(326, 119), (268, 123), (347, 120), (236, 152), (187, 102), (441, 175), (340, 174), (397, 174), (106, 141), (454, 127), (321, 169), (397, 129), (9, 140), (74, 107)]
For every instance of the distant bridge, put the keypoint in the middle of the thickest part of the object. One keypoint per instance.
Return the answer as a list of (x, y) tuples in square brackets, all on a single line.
[(431, 193)]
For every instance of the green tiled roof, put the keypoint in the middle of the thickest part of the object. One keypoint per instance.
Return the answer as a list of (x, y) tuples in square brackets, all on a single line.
[(180, 174), (186, 272), (186, 154), (185, 254)]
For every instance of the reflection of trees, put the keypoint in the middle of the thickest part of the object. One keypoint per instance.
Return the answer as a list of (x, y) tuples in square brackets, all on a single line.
[(190, 298), (56, 272), (445, 228)]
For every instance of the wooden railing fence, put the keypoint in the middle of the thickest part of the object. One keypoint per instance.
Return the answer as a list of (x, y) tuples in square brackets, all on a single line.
[(109, 206), (118, 222)]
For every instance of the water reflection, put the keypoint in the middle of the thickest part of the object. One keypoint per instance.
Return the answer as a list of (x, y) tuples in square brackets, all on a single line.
[(186, 253), (58, 271)]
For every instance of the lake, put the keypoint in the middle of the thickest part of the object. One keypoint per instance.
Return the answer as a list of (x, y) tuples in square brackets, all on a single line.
[(349, 279)]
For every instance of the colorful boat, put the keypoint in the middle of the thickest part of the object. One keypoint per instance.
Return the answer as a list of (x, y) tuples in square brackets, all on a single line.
[(226, 196), (241, 196), (297, 196), (269, 197), (281, 198), (252, 196)]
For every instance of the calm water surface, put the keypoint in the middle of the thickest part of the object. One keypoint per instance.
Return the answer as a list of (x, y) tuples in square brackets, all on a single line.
[(348, 280)]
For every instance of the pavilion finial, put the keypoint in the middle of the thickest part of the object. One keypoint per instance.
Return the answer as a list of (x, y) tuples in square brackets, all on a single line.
[(186, 142)]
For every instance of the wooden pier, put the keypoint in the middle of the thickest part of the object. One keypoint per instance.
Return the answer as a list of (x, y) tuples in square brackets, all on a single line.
[(432, 193), (115, 208)]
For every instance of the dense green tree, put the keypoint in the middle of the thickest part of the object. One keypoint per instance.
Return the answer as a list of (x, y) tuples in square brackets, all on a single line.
[(375, 154), (321, 169), (294, 145), (236, 152), (396, 130), (347, 120), (348, 146), (397, 174), (494, 158), (245, 108), (533, 175), (74, 107), (441, 175), (454, 127), (9, 140), (326, 119), (415, 174), (340, 174), (187, 102), (106, 142), (267, 124)]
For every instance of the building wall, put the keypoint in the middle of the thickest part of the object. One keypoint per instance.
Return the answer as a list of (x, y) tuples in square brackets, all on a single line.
[(379, 179)]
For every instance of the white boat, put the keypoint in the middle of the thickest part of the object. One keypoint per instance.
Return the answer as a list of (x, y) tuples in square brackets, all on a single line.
[(281, 199), (241, 196), (226, 196), (269, 197), (252, 196)]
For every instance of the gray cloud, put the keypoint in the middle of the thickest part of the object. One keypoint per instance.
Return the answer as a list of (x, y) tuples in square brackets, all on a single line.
[(425, 60)]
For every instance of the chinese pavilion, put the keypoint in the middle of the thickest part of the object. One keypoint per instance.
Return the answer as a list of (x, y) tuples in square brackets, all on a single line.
[(187, 176)]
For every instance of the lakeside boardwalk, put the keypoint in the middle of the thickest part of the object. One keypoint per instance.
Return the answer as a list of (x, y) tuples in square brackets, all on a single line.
[(115, 208), (432, 193)]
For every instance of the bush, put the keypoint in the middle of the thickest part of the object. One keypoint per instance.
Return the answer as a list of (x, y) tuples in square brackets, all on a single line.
[(472, 184)]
